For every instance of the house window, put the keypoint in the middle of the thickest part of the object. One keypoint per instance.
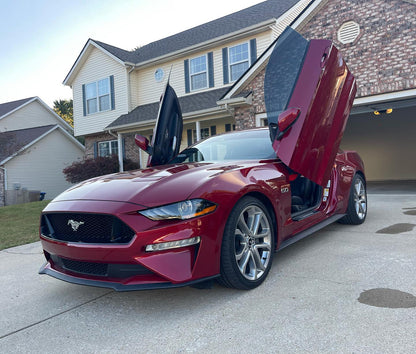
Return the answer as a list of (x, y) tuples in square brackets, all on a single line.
[(107, 148), (261, 120), (198, 71), (238, 60), (228, 127), (205, 133), (98, 96)]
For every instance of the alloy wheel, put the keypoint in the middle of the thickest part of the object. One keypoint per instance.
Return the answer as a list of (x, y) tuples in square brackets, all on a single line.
[(360, 199), (253, 240)]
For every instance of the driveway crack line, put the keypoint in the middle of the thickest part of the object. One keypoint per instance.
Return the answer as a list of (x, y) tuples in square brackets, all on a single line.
[(53, 316)]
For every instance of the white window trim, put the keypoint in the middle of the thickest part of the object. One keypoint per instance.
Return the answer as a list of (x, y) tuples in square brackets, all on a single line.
[(198, 73), (237, 62), (97, 97), (110, 148), (260, 118)]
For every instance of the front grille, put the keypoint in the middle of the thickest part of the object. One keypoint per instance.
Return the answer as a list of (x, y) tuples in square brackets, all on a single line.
[(99, 269), (110, 270), (87, 228)]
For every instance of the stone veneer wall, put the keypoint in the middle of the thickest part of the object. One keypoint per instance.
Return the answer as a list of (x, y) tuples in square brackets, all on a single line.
[(382, 58)]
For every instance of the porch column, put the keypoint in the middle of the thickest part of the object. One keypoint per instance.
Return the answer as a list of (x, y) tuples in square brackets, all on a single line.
[(198, 131), (120, 151)]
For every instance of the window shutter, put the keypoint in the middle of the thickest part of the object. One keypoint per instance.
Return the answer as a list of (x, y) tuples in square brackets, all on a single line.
[(225, 65), (186, 67), (189, 136), (211, 69), (84, 101), (113, 101), (213, 130), (253, 51), (95, 149)]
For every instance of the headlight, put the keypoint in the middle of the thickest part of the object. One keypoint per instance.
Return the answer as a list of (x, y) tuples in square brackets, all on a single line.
[(187, 209)]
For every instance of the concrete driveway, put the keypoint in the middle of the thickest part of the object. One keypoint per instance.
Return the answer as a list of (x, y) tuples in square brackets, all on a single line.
[(347, 289)]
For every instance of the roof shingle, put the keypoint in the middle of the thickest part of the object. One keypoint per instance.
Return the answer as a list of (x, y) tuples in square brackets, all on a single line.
[(191, 103), (12, 141), (256, 14), (10, 106)]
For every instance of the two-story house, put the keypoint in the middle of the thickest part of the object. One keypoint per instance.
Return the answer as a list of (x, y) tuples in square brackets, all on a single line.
[(217, 70), (116, 92)]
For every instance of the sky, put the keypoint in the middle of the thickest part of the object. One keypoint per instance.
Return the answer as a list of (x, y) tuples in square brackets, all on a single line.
[(41, 39)]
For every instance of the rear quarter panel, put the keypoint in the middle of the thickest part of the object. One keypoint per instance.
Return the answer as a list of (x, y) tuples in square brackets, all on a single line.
[(347, 164)]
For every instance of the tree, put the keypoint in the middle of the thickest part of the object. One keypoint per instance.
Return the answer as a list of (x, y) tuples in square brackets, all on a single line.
[(64, 108)]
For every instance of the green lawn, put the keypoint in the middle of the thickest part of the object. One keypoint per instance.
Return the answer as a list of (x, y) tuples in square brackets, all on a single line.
[(19, 224)]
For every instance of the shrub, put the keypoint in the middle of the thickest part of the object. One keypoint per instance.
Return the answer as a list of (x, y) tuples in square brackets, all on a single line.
[(81, 170)]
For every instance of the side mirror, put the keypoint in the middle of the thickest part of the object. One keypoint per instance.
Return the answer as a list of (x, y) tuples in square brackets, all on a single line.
[(142, 143), (286, 120)]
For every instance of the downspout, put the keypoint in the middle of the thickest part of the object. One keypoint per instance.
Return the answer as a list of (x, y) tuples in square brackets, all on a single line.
[(4, 184)]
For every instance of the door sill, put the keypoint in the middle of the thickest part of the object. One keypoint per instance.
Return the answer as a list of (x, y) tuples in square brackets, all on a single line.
[(310, 231)]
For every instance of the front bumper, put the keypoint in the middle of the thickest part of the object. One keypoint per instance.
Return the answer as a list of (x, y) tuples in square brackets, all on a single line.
[(129, 266)]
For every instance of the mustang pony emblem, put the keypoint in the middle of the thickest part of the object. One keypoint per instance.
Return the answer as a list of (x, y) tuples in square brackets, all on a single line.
[(75, 224)]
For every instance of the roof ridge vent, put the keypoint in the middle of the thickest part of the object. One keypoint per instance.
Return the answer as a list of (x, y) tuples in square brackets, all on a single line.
[(348, 32)]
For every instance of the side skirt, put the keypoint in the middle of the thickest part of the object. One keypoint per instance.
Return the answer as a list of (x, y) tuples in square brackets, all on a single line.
[(310, 231)]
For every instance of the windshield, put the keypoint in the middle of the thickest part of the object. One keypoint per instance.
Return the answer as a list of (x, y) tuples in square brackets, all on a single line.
[(244, 145)]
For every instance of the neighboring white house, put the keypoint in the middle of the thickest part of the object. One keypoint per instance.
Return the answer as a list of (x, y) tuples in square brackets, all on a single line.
[(116, 92), (35, 146)]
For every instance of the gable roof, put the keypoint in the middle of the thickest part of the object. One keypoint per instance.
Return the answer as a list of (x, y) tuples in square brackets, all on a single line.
[(251, 16), (14, 142), (261, 14), (11, 107), (191, 103), (8, 107)]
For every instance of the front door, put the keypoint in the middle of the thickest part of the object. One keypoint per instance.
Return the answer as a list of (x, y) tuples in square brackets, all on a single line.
[(309, 90)]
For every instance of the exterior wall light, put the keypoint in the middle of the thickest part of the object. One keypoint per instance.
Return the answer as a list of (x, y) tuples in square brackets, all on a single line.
[(384, 111)]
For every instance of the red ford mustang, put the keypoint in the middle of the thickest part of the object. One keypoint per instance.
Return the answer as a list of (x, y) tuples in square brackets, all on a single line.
[(221, 208)]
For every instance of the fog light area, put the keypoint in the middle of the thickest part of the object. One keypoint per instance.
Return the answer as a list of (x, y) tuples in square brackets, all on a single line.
[(173, 244)]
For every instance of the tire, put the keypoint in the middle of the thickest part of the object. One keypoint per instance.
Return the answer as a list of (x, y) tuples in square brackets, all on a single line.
[(247, 245), (357, 202)]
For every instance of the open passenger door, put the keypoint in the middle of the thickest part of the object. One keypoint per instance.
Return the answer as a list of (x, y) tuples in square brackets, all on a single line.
[(167, 134), (308, 93)]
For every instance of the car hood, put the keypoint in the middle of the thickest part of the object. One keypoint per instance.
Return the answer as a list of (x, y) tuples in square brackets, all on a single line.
[(151, 186)]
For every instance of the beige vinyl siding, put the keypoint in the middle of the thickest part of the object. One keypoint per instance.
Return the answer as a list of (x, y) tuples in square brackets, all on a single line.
[(145, 89), (40, 166), (96, 67), (32, 115), (134, 90), (288, 17)]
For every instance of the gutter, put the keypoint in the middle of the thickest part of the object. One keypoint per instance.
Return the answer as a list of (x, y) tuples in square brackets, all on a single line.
[(151, 122), (237, 101)]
